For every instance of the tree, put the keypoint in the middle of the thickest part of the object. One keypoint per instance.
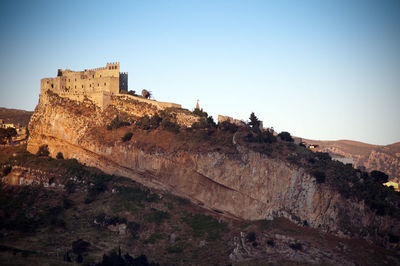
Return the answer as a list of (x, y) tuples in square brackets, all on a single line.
[(43, 151), (285, 136), (127, 136), (254, 122), (80, 246), (146, 94), (131, 92), (319, 176), (379, 176), (60, 156), (6, 134)]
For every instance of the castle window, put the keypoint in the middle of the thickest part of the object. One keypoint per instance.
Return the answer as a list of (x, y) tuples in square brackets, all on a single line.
[(75, 86), (52, 85), (82, 86), (90, 85), (75, 79), (104, 84), (93, 76), (69, 80), (98, 84)]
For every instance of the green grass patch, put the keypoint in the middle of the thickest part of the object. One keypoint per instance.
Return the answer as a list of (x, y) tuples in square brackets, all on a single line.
[(204, 225), (175, 249), (156, 216)]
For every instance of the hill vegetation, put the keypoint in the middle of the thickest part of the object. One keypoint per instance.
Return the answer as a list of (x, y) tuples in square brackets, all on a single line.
[(92, 218), (15, 116), (205, 135)]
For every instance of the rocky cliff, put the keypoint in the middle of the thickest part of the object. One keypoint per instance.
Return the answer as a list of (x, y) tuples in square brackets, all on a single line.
[(243, 184), (371, 157)]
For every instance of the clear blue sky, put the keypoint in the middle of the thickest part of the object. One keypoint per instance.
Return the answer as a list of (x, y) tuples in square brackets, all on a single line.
[(318, 69)]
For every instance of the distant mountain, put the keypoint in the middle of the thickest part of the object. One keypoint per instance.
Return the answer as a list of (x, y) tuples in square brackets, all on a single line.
[(372, 157), (15, 116)]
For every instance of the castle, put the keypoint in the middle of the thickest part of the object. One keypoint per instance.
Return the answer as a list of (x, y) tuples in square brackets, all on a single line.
[(97, 84)]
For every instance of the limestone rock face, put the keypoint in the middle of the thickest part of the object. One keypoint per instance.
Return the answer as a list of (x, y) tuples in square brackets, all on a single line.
[(246, 185)]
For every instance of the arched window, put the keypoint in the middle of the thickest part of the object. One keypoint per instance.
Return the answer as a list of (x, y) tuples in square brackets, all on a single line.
[(104, 84)]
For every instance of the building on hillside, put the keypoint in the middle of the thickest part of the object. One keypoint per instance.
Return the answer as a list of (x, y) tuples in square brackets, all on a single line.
[(222, 118), (3, 124), (96, 84)]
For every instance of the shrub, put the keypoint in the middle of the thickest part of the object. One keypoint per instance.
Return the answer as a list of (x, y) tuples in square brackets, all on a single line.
[(135, 194), (117, 123), (60, 156), (6, 170), (203, 224), (170, 126), (127, 136), (200, 112), (43, 151), (268, 137), (296, 246), (319, 176), (379, 176), (105, 220), (70, 186), (67, 203), (116, 259), (144, 123), (155, 121), (80, 246), (271, 242), (227, 126), (79, 259), (251, 236), (175, 249), (131, 92), (154, 238), (133, 228), (285, 136), (157, 216), (393, 238), (324, 156)]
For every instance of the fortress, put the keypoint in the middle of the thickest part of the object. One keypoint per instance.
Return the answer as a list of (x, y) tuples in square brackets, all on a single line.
[(97, 84)]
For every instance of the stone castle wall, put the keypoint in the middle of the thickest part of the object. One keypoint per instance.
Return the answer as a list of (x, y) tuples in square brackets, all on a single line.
[(87, 81), (97, 84)]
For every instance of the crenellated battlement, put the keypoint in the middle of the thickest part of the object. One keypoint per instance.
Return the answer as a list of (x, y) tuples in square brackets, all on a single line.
[(103, 80)]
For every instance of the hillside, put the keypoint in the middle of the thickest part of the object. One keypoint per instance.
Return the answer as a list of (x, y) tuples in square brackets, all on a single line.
[(72, 212), (15, 116), (372, 157), (126, 167)]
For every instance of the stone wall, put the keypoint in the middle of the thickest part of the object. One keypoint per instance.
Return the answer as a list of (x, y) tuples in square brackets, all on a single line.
[(159, 105), (96, 84)]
